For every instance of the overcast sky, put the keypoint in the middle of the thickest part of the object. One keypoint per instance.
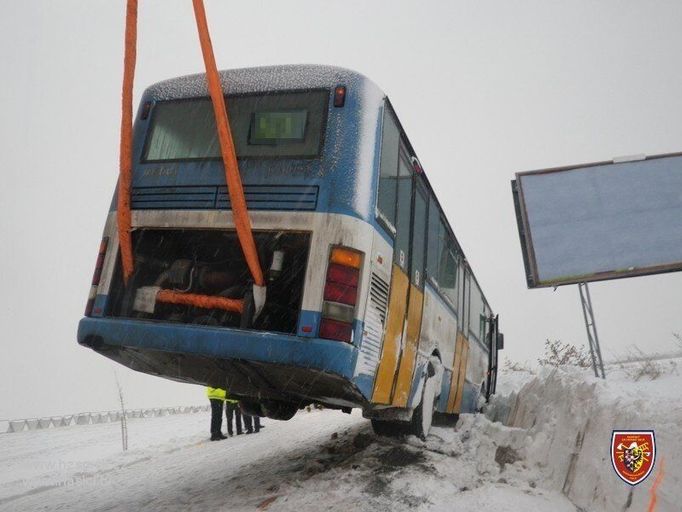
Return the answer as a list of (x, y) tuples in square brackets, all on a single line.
[(483, 89)]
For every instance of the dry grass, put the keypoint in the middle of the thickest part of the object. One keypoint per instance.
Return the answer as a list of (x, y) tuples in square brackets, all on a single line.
[(515, 366), (641, 365)]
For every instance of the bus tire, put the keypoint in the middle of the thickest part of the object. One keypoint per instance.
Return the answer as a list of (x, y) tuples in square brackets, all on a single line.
[(277, 410), (443, 419), (251, 408), (390, 428), (422, 418)]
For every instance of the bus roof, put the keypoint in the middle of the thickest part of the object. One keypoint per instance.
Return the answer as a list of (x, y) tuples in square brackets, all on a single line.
[(288, 77), (263, 79)]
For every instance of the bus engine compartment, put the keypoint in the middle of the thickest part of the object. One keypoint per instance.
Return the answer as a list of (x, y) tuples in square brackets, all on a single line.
[(211, 263)]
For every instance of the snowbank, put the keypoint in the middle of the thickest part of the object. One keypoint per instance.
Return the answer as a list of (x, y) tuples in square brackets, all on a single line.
[(549, 454), (543, 446), (568, 418)]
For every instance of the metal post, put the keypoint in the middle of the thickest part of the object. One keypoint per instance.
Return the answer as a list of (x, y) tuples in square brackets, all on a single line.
[(591, 328), (124, 419)]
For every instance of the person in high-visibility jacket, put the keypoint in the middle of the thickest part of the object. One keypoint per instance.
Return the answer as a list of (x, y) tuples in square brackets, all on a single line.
[(217, 397)]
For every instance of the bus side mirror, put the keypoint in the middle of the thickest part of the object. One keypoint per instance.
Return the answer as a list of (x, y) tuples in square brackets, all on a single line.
[(500, 341)]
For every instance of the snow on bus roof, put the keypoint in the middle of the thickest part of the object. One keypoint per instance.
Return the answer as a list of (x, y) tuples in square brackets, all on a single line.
[(262, 79)]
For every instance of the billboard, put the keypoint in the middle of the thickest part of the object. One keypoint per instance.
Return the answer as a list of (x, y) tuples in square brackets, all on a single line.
[(600, 221)]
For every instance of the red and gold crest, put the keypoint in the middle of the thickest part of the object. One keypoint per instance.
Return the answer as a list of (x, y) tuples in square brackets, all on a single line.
[(633, 454)]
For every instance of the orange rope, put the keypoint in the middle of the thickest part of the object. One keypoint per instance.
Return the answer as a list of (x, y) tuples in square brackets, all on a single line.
[(126, 148), (654, 487), (200, 301), (234, 182)]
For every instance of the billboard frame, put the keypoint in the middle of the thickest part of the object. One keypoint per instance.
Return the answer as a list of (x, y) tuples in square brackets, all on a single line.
[(525, 236)]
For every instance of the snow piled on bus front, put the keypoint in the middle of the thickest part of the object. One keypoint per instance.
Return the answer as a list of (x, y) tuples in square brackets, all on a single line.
[(542, 445)]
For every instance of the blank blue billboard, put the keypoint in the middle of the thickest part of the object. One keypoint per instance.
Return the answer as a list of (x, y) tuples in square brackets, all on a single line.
[(600, 221)]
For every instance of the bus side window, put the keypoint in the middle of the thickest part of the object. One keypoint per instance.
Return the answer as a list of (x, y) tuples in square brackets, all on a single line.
[(402, 238), (419, 238), (447, 268), (485, 329), (434, 241), (478, 317), (388, 175), (466, 300)]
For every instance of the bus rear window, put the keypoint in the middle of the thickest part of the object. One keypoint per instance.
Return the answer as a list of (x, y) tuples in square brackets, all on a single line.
[(288, 125)]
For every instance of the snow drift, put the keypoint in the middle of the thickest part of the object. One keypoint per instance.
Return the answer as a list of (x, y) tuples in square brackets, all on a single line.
[(568, 418), (542, 445)]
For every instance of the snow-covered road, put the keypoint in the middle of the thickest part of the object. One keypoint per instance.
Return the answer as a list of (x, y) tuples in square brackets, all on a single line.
[(170, 464), (327, 460), (323, 460)]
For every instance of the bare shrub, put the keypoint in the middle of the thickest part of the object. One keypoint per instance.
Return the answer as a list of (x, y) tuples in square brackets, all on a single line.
[(642, 365), (559, 354), (641, 369), (678, 339), (515, 366)]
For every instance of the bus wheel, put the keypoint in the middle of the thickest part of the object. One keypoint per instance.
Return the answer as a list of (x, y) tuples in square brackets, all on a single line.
[(390, 428), (251, 408), (442, 419), (278, 410), (422, 418)]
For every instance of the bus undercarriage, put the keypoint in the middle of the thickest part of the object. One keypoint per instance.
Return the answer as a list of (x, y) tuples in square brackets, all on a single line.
[(274, 390)]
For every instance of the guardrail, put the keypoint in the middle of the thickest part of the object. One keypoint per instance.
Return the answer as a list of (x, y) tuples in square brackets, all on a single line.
[(90, 418)]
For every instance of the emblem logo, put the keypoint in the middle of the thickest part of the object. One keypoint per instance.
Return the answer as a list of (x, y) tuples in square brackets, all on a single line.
[(633, 454)]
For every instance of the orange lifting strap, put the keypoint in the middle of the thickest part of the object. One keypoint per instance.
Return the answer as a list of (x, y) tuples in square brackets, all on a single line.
[(201, 301), (233, 179), (126, 147), (234, 182)]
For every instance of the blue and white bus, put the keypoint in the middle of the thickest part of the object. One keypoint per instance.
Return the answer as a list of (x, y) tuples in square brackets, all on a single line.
[(370, 303)]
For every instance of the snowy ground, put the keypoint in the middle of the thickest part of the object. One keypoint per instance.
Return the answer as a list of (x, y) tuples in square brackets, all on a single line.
[(326, 460)]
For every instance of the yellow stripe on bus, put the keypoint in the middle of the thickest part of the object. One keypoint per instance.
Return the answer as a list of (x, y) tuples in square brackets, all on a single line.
[(409, 356), (383, 385), (462, 375), (455, 372), (458, 373)]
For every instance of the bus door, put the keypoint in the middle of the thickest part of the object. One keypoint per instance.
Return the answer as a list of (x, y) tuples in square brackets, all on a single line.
[(491, 341), (399, 298), (408, 358), (459, 365)]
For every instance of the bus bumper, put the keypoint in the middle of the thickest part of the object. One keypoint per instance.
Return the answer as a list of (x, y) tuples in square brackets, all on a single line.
[(249, 363)]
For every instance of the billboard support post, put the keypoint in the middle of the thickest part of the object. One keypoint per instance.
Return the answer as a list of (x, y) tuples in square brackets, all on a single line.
[(591, 328)]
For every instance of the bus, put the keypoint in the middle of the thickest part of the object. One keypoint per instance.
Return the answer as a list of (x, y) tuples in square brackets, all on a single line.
[(371, 302)]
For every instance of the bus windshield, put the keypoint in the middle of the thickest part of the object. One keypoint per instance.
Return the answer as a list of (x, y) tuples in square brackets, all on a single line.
[(288, 125)]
